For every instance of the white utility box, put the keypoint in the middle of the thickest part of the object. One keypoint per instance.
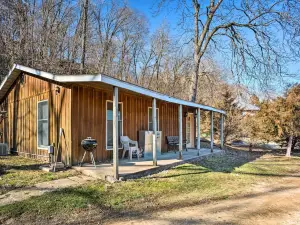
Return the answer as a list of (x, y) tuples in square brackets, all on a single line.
[(146, 140)]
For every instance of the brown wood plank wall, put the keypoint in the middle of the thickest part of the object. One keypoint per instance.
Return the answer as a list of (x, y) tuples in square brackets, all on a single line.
[(89, 118), (81, 112), (22, 116)]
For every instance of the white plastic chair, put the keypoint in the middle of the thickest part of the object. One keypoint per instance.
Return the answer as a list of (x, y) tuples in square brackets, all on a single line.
[(130, 146)]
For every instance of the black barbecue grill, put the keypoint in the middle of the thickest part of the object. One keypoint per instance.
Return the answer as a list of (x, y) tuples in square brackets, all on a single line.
[(89, 145)]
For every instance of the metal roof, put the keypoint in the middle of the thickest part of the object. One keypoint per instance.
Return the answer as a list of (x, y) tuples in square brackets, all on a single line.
[(18, 69)]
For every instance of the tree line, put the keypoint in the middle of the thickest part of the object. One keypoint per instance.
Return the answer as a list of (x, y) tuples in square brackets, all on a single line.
[(255, 38), (95, 36)]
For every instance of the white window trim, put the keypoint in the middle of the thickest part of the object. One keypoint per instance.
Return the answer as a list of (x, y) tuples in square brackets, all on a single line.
[(37, 125), (157, 115), (189, 113), (106, 124)]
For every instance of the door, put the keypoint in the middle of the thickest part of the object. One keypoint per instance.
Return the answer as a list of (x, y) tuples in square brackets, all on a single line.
[(190, 130)]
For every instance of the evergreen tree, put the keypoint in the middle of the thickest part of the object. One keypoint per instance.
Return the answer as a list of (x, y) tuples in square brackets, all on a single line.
[(288, 117), (232, 125), (278, 120)]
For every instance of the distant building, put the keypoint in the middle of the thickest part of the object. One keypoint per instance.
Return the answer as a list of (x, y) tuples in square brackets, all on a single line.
[(249, 109), (246, 107)]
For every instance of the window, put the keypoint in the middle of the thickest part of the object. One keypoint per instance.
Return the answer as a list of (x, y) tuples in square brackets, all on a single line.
[(150, 127), (43, 124), (109, 124)]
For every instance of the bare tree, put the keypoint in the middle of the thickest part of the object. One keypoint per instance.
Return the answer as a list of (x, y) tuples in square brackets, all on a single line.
[(131, 37), (249, 31), (109, 19), (160, 47), (98, 36)]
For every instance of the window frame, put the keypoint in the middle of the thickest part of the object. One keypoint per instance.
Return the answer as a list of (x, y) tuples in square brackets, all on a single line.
[(157, 116), (37, 125), (120, 103)]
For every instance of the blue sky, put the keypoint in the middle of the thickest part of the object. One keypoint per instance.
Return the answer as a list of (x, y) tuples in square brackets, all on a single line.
[(147, 7)]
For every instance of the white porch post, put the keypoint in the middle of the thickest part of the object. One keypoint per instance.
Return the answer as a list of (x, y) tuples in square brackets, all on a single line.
[(198, 130), (115, 134), (211, 131), (154, 125), (180, 130), (222, 131)]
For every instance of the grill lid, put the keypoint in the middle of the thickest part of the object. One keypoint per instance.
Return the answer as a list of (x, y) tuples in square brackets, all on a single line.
[(89, 144)]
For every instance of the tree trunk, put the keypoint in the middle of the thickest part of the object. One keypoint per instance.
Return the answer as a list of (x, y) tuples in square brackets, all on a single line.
[(32, 33), (289, 147), (84, 35), (295, 140), (250, 147), (195, 86), (196, 50)]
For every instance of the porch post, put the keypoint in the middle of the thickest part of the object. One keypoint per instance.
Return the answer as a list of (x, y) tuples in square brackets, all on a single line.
[(211, 131), (198, 130), (222, 131), (154, 125), (180, 130), (115, 134)]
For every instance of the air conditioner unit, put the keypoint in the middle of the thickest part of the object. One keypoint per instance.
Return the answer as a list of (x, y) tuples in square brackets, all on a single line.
[(3, 149), (146, 140)]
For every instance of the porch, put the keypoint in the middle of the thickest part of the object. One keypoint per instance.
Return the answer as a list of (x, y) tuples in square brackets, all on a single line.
[(116, 130), (144, 166)]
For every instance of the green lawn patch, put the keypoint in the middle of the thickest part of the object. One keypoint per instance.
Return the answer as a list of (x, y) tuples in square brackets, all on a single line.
[(214, 178), (17, 172), (276, 166)]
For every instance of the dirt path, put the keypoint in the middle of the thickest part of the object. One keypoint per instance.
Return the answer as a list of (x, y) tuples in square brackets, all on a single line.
[(41, 188), (269, 205)]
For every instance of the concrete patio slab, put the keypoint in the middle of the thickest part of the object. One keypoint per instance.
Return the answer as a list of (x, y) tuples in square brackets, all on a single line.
[(143, 167)]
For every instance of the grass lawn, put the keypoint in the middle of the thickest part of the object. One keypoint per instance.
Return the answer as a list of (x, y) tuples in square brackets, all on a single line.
[(16, 172), (215, 178)]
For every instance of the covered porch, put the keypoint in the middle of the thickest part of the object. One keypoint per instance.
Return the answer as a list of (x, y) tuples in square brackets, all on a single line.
[(144, 167), (118, 167)]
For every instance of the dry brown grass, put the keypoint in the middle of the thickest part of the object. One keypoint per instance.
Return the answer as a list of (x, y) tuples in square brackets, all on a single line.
[(17, 172)]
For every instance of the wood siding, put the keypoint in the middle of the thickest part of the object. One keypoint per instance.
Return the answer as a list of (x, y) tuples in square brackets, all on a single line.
[(89, 118), (81, 112), (22, 116)]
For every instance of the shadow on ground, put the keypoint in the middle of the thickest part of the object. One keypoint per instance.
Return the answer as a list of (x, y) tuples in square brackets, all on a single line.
[(102, 211), (18, 163)]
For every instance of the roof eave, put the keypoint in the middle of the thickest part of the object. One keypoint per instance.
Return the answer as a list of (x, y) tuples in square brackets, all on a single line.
[(17, 69)]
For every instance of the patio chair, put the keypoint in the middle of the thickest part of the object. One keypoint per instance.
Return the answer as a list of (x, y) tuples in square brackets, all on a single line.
[(130, 146), (173, 143)]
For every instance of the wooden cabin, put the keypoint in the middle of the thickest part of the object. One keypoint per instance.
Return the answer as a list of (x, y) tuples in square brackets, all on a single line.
[(40, 104)]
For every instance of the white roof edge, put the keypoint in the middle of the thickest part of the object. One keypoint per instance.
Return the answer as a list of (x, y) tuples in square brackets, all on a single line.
[(104, 79), (154, 94), (6, 77), (35, 72)]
